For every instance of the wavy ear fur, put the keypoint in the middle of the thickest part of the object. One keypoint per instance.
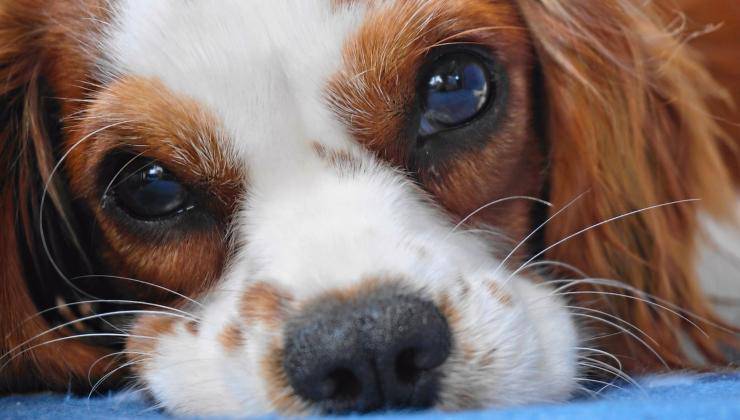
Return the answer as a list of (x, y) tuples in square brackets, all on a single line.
[(29, 134), (629, 124)]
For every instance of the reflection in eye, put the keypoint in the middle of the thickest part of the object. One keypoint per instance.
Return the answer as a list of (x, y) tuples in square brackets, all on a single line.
[(151, 192), (457, 90)]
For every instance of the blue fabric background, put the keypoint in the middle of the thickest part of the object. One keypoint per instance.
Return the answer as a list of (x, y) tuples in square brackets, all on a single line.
[(665, 397)]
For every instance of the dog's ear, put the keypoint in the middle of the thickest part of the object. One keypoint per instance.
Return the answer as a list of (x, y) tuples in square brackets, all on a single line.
[(628, 124), (29, 134)]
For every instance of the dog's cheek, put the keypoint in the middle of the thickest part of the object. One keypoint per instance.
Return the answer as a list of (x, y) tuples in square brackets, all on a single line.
[(514, 344), (189, 266), (181, 372)]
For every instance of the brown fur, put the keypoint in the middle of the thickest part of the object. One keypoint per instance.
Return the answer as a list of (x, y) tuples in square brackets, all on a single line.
[(633, 119), (146, 334), (231, 337), (44, 55), (26, 53), (281, 395), (629, 122), (264, 303), (172, 130), (388, 63)]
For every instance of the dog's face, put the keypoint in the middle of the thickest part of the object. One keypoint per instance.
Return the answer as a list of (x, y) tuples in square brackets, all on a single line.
[(310, 164), (334, 206)]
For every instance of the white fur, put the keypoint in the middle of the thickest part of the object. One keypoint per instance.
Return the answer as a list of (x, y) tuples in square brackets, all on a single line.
[(261, 67)]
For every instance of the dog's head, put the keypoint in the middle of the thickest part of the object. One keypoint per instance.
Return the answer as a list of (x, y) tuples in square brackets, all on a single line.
[(348, 205)]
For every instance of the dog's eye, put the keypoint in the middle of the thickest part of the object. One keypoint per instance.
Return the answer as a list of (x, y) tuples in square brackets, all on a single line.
[(455, 89), (151, 192)]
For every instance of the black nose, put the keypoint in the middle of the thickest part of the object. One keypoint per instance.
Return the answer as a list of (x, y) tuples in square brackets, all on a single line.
[(372, 352)]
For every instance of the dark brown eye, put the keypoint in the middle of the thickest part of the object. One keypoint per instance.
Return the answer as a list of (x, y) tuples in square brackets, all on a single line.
[(151, 192), (457, 88), (461, 100)]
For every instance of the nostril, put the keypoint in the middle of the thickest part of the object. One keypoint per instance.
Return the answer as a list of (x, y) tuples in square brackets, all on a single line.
[(341, 385), (407, 366)]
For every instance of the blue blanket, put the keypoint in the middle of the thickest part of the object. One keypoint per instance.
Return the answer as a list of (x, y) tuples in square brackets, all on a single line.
[(669, 397)]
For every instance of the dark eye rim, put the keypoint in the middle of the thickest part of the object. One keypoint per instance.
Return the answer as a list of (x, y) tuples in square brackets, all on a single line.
[(471, 135), (196, 217)]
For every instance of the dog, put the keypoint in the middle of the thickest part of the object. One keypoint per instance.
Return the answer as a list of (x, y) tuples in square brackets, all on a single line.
[(331, 206)]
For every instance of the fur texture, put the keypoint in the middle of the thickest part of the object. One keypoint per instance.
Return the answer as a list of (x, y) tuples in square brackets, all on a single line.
[(291, 121)]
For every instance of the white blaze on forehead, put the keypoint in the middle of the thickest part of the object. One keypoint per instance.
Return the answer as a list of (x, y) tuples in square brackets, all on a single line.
[(260, 66)]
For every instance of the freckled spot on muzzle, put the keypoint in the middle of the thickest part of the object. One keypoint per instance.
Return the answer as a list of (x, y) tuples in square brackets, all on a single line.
[(231, 337), (264, 303)]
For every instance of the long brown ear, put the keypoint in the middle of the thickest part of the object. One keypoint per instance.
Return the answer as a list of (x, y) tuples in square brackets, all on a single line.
[(628, 123), (28, 134)]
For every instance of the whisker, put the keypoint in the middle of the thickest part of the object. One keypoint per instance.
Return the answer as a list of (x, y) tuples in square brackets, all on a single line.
[(72, 337), (591, 393), (611, 369), (86, 318), (493, 233), (112, 372), (602, 353), (603, 222), (606, 384), (626, 331), (158, 286), (45, 192), (523, 241), (494, 202), (560, 264), (610, 316), (649, 302), (599, 337), (109, 355), (111, 301), (120, 171)]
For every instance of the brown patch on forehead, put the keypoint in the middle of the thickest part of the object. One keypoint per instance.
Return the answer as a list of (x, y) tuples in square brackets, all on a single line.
[(264, 303), (231, 337), (141, 116), (375, 95)]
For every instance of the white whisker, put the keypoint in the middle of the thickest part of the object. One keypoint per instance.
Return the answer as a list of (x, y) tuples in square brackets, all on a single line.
[(628, 332), (86, 318), (526, 238), (614, 317), (494, 202), (44, 193), (158, 286), (586, 229), (72, 337)]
